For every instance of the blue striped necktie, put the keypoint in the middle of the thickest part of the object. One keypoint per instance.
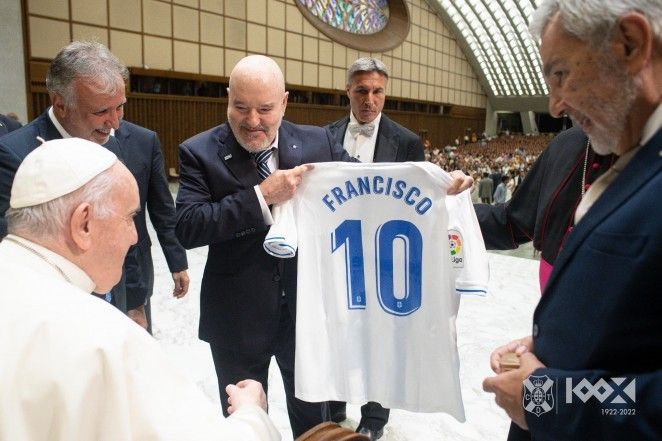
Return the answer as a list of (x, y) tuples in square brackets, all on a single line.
[(262, 161)]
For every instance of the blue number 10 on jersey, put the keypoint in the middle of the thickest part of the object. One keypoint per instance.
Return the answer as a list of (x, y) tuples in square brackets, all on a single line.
[(350, 235)]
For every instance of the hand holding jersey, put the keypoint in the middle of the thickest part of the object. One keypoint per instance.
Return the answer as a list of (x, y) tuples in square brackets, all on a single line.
[(281, 185)]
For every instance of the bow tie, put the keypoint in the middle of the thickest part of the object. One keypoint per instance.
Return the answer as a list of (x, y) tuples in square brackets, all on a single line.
[(364, 129)]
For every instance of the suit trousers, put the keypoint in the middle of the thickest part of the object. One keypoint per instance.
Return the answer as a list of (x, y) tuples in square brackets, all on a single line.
[(373, 415), (140, 281), (232, 366)]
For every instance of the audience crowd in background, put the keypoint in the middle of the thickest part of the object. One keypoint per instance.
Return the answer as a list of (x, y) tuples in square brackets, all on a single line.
[(507, 155)]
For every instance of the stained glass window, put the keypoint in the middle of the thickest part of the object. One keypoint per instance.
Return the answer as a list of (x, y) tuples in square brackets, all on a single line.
[(357, 17)]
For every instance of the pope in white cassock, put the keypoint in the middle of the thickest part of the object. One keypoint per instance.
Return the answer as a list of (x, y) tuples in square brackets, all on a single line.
[(71, 366)]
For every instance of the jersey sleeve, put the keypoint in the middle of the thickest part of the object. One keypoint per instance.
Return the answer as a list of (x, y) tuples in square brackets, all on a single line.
[(282, 238), (468, 256)]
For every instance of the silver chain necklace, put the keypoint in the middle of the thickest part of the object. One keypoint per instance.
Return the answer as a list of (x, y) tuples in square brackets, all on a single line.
[(588, 148), (41, 256)]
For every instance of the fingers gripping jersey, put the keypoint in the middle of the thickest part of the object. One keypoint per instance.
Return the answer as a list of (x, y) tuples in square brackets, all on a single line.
[(376, 302)]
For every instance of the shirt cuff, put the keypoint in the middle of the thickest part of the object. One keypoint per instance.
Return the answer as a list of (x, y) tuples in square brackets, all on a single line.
[(266, 213)]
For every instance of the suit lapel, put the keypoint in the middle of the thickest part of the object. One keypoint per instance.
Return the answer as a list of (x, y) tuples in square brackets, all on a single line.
[(646, 163), (289, 147), (236, 158), (114, 145), (386, 147), (338, 130), (118, 142), (46, 128)]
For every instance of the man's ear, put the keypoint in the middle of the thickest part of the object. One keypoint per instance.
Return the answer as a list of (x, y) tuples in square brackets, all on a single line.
[(80, 228), (285, 97), (636, 38), (59, 105)]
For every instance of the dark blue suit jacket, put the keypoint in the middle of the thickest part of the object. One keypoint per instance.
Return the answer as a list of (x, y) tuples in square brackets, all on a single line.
[(601, 313), (242, 285), (141, 152), (395, 143), (8, 125)]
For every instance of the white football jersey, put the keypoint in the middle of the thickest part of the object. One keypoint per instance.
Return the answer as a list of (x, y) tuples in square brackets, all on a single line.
[(376, 288)]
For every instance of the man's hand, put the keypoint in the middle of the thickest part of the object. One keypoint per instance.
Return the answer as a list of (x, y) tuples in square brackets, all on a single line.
[(245, 392), (181, 284), (519, 346), (138, 315), (460, 182), (281, 185), (507, 388)]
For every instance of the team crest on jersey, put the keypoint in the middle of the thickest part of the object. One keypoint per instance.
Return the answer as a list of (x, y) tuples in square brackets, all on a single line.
[(457, 253)]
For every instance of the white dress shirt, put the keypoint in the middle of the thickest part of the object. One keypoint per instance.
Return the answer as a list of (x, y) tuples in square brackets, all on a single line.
[(360, 146)]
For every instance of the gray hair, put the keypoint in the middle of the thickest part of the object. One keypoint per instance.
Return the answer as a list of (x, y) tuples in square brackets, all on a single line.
[(86, 60), (49, 220), (366, 64), (593, 21)]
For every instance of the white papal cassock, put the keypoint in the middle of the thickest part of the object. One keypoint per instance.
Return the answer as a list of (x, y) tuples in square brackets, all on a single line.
[(74, 368)]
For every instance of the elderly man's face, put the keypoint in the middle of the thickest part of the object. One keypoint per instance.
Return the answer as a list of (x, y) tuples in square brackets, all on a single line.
[(591, 86), (117, 232), (92, 114), (255, 110), (367, 93)]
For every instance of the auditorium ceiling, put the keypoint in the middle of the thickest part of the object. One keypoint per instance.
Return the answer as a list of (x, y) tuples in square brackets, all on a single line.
[(495, 38)]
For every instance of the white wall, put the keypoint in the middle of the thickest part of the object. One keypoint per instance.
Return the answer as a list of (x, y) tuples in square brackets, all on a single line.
[(12, 68)]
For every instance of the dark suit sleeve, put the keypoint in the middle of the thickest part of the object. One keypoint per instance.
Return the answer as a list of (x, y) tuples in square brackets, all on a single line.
[(205, 218), (9, 163), (162, 211), (8, 125), (506, 226), (594, 420)]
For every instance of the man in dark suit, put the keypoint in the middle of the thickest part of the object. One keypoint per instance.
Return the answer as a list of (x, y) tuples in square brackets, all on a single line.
[(370, 136), (85, 82), (588, 371), (8, 124), (142, 154), (86, 86), (373, 136), (229, 176)]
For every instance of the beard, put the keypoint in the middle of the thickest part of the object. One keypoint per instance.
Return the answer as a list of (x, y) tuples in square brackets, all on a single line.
[(615, 109), (242, 132)]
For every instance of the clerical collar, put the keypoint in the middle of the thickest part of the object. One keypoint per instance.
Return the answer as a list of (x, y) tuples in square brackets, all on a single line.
[(63, 133), (61, 267)]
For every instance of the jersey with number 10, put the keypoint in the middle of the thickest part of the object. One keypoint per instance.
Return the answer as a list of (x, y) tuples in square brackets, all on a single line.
[(377, 300)]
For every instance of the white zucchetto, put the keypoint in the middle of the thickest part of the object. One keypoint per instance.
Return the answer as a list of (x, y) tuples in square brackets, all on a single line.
[(57, 168)]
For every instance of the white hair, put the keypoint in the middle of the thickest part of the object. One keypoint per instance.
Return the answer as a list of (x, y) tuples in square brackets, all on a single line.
[(593, 21), (50, 219)]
